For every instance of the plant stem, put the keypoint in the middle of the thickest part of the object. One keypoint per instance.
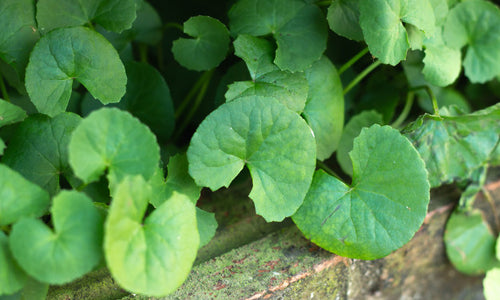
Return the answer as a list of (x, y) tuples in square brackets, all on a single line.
[(352, 61), (406, 110), (361, 76), (429, 91), (5, 95), (327, 169), (190, 95), (172, 25), (143, 53)]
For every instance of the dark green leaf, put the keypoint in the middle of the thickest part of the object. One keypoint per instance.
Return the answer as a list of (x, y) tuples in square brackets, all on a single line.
[(68, 251), (20, 198), (381, 210), (343, 18), (258, 54), (274, 143), (153, 258), (324, 110), (209, 45), (112, 139), (2, 146), (10, 113), (73, 53), (300, 29), (39, 150), (475, 24), (114, 15), (12, 277)]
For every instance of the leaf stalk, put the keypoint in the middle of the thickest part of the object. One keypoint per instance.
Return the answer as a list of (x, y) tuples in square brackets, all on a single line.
[(352, 61), (361, 75)]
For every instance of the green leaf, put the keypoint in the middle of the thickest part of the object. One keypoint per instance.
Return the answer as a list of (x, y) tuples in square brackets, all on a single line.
[(274, 143), (490, 284), (114, 15), (209, 45), (258, 54), (147, 27), (178, 179), (324, 110), (10, 113), (343, 18), (350, 132), (381, 210), (207, 225), (68, 251), (382, 24), (39, 150), (153, 258), (73, 53), (453, 147), (32, 290), (441, 10), (114, 140), (300, 29), (12, 277), (470, 244), (147, 98), (475, 24), (442, 64), (18, 34), (19, 198)]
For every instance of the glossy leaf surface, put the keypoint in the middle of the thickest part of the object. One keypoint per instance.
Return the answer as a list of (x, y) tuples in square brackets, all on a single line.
[(155, 256), (381, 210), (209, 45), (19, 197), (66, 54), (66, 252), (274, 143)]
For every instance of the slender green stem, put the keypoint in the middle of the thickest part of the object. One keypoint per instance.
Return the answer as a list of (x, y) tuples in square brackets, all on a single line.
[(406, 110), (190, 95), (361, 76), (3, 89), (143, 53), (172, 25), (352, 61), (429, 91), (327, 169)]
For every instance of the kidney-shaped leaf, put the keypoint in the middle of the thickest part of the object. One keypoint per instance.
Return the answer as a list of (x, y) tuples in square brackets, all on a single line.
[(12, 277), (19, 197), (39, 149), (475, 24), (442, 63), (73, 53), (112, 139), (380, 211), (382, 24), (209, 45), (68, 251), (114, 15), (300, 29), (10, 113), (275, 143), (153, 257)]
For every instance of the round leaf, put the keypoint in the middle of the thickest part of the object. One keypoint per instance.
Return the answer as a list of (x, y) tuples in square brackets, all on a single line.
[(343, 18), (350, 132), (12, 276), (382, 24), (258, 54), (112, 139), (475, 24), (209, 46), (275, 143), (442, 64), (491, 284), (300, 29), (114, 15), (470, 244), (39, 149), (69, 251), (381, 210), (153, 258), (19, 197), (73, 53), (10, 113), (324, 110)]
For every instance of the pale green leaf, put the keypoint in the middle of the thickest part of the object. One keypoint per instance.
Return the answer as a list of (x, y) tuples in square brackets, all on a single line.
[(114, 15), (274, 143), (343, 18), (66, 252), (442, 64), (324, 110), (154, 257), (491, 284), (20, 198), (475, 24), (209, 45), (299, 28), (114, 140), (381, 210), (10, 113), (207, 225), (73, 53)]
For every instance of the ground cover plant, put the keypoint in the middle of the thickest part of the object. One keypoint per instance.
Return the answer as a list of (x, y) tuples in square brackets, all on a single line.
[(345, 113)]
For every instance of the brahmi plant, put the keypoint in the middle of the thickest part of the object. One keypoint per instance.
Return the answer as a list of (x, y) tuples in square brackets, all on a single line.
[(102, 162)]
